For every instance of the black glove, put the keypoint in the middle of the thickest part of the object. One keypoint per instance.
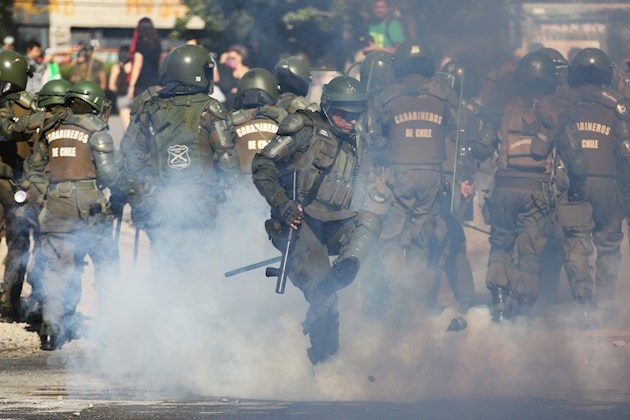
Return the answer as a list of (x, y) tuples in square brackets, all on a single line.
[(575, 195), (139, 216), (289, 212), (117, 200), (577, 188)]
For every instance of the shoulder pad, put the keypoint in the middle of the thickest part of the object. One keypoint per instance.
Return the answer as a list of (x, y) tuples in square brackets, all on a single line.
[(387, 95), (274, 112), (299, 102), (24, 99), (292, 123), (440, 88), (144, 98), (217, 109), (102, 141), (88, 121)]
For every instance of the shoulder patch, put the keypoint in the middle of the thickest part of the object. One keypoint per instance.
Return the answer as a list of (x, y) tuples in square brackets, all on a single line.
[(291, 124), (323, 132)]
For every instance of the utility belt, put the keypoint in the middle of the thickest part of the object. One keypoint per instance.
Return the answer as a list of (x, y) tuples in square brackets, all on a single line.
[(66, 186), (524, 183), (437, 167)]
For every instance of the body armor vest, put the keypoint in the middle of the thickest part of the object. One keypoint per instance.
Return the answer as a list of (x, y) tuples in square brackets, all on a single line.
[(69, 152), (520, 124), (417, 129), (253, 130), (181, 151), (595, 127), (327, 169)]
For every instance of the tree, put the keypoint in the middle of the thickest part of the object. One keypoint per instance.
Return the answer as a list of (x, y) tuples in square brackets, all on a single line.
[(6, 17), (271, 28)]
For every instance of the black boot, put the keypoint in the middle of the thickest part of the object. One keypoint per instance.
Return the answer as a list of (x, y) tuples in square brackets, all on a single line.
[(500, 312), (50, 338)]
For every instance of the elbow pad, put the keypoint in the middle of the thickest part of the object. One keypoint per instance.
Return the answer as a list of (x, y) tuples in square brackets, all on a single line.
[(221, 136), (229, 161), (484, 145), (624, 135), (108, 166)]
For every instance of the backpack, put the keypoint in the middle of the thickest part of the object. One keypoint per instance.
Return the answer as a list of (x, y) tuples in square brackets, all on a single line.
[(177, 151)]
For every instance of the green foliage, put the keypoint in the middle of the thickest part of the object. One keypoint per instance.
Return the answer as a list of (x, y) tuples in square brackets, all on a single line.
[(6, 17)]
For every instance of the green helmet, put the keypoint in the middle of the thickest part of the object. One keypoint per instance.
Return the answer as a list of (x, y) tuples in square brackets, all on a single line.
[(14, 72), (188, 65), (344, 93), (53, 93), (536, 73), (89, 93), (411, 57), (376, 70), (590, 66), (466, 81), (556, 56), (257, 87), (293, 75)]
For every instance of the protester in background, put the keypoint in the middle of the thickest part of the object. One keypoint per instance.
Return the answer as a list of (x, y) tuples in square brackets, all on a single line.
[(7, 43), (36, 64), (385, 31), (230, 70), (119, 83), (87, 67), (146, 51)]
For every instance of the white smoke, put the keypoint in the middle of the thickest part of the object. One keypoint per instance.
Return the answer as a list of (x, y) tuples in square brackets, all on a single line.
[(206, 335)]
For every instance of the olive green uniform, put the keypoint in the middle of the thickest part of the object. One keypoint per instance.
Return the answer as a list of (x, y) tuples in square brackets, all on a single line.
[(326, 167), (76, 219), (179, 157), (16, 226), (598, 120), (414, 115)]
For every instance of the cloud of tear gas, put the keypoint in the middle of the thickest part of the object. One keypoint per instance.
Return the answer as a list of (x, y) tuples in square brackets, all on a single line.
[(198, 333), (204, 335)]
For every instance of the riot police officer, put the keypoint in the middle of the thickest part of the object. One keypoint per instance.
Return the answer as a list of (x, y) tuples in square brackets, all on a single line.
[(179, 157), (459, 170), (294, 79), (15, 102), (76, 218), (524, 198), (413, 115), (255, 116), (598, 119), (50, 101), (319, 148)]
